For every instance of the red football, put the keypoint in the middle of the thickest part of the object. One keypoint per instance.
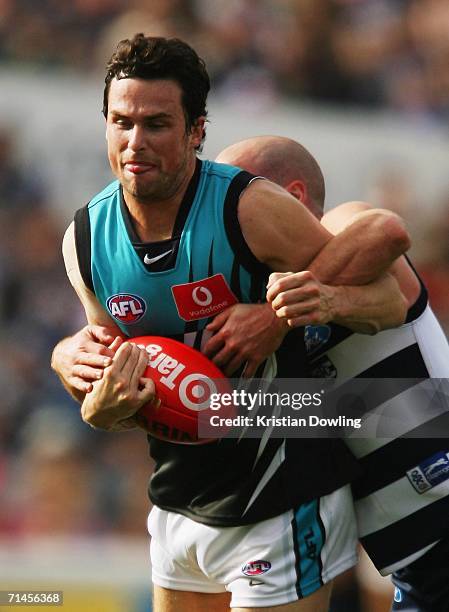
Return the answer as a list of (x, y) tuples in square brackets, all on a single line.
[(185, 380)]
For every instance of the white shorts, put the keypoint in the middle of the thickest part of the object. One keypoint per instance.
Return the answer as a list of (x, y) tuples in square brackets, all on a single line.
[(270, 563)]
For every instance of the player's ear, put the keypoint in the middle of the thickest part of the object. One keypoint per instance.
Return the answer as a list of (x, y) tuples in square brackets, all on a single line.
[(298, 190), (197, 131)]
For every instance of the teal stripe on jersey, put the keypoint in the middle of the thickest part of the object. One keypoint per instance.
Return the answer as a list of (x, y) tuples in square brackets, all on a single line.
[(310, 542)]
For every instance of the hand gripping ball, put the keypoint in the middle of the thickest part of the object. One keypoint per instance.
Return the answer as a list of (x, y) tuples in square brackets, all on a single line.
[(185, 380)]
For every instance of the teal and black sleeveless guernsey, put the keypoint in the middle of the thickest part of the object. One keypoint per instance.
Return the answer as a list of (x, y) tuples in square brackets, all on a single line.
[(173, 288)]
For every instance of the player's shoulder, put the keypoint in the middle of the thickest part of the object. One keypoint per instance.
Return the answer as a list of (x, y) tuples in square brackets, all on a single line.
[(69, 249), (348, 209), (68, 240), (225, 171), (102, 197), (338, 217), (262, 195)]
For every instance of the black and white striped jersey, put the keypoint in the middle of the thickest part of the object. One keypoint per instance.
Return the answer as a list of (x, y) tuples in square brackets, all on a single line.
[(402, 498)]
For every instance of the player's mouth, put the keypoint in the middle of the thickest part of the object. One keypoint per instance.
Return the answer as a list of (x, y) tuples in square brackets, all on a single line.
[(139, 167)]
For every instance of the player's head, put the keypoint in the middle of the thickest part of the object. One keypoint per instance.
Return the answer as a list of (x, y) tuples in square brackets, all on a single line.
[(283, 161), (155, 109), (157, 58)]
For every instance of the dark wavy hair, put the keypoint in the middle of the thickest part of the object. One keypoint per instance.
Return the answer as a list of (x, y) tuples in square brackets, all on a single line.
[(148, 57)]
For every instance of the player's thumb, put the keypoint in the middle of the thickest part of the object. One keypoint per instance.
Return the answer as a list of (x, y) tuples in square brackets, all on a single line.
[(116, 343), (101, 334)]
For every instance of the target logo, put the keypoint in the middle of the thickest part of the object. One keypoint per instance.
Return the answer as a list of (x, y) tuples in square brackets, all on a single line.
[(126, 307), (204, 298), (195, 391), (186, 383)]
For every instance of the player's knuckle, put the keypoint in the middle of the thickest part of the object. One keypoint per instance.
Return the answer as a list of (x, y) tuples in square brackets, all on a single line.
[(109, 371), (233, 345), (309, 290), (85, 372), (284, 283), (75, 370), (281, 299), (283, 312), (78, 358), (120, 386), (224, 333), (88, 417)]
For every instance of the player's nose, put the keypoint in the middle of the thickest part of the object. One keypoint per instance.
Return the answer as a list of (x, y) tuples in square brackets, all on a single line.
[(136, 140)]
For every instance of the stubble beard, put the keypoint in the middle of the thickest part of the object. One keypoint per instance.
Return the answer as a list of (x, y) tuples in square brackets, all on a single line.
[(164, 187)]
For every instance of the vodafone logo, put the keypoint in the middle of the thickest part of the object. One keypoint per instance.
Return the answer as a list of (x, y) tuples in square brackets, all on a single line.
[(126, 307), (206, 298)]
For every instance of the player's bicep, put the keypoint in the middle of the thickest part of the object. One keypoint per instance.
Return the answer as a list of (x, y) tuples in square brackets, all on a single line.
[(279, 231), (95, 313), (340, 217)]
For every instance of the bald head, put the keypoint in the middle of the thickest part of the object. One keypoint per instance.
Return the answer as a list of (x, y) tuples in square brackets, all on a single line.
[(283, 161)]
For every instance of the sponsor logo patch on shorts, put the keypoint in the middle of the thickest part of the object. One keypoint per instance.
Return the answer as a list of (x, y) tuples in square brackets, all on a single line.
[(430, 472), (256, 568)]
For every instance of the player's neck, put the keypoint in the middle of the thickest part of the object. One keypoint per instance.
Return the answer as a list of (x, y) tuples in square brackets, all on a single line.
[(154, 219)]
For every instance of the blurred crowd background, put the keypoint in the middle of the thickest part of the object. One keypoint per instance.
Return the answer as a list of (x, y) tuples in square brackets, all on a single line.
[(364, 52), (57, 476)]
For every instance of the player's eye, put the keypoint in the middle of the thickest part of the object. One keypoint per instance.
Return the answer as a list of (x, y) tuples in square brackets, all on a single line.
[(123, 123), (157, 125)]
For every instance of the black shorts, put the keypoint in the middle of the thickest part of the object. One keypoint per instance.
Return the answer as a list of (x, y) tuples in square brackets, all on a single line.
[(423, 586)]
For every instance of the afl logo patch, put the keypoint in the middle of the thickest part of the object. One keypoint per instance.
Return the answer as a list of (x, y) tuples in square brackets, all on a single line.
[(255, 568), (126, 307)]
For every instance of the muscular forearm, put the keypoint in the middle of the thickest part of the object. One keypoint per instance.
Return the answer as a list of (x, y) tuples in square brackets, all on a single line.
[(363, 250), (303, 300), (369, 308)]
